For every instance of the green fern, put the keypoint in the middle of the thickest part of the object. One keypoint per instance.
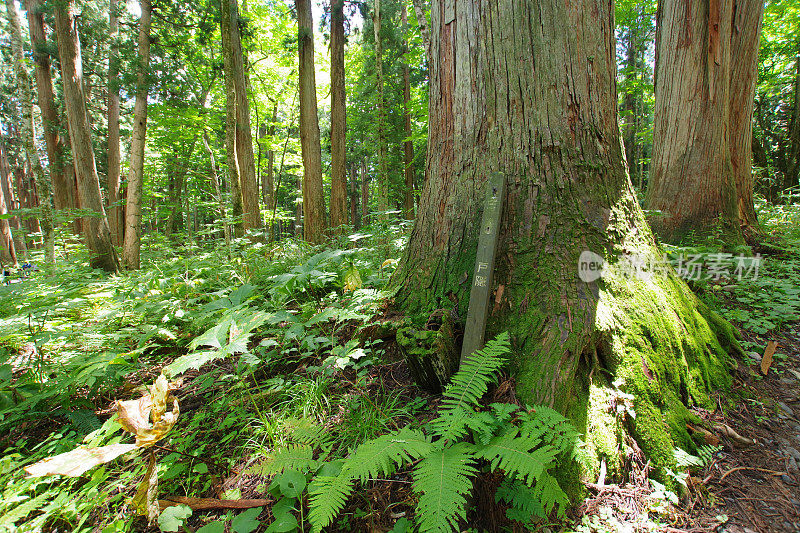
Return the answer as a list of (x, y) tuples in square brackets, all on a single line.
[(297, 457), (519, 456), (375, 458), (479, 370), (443, 479)]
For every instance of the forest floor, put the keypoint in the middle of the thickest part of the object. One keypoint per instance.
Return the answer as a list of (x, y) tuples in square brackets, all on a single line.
[(280, 345)]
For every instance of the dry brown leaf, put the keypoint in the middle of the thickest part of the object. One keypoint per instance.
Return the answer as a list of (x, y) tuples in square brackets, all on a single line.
[(148, 436), (766, 359), (145, 500), (134, 415), (78, 461)]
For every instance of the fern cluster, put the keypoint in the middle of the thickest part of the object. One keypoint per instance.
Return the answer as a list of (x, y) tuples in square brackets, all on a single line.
[(523, 444)]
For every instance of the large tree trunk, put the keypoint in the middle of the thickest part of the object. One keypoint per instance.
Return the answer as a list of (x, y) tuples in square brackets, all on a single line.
[(527, 88), (408, 144), (382, 191), (744, 73), (116, 213), (234, 69), (692, 182), (29, 132), (98, 235), (313, 202), (338, 119), (61, 173), (133, 211), (7, 189), (230, 120)]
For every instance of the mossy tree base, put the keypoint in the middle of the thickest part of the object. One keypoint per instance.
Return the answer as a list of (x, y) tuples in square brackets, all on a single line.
[(503, 101)]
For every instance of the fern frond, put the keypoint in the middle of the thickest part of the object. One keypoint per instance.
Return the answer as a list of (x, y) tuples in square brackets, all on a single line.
[(552, 428), (327, 496), (550, 494), (523, 500), (374, 458), (519, 456), (307, 431), (451, 424), (293, 457), (443, 479), (480, 369)]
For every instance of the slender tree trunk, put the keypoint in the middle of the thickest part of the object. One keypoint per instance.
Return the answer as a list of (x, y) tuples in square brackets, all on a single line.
[(248, 181), (364, 192), (133, 211), (269, 181), (298, 211), (528, 88), (629, 110), (7, 181), (231, 145), (692, 182), (355, 214), (29, 132), (422, 24), (383, 162), (116, 213), (338, 118), (217, 191), (313, 202), (8, 252), (98, 235), (408, 144)]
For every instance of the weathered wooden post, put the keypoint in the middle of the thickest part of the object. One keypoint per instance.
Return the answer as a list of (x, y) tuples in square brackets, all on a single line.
[(475, 327)]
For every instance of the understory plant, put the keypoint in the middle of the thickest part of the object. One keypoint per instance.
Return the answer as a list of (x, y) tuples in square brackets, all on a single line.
[(449, 452)]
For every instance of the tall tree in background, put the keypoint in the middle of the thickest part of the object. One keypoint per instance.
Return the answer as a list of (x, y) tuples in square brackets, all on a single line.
[(268, 182), (116, 214), (338, 118), (528, 88), (234, 71), (408, 144), (692, 181), (8, 252), (383, 162), (231, 157), (62, 174), (98, 235), (29, 132), (133, 211), (792, 171), (313, 202), (745, 33)]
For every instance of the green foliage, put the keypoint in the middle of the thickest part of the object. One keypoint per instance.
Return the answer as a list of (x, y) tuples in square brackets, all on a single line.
[(449, 461)]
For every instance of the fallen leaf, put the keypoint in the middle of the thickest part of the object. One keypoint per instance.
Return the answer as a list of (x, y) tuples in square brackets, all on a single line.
[(145, 500), (78, 461), (134, 415), (766, 359)]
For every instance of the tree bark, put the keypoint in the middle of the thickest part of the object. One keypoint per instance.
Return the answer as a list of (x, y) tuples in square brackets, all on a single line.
[(230, 120), (234, 65), (133, 211), (408, 144), (355, 214), (527, 88), (313, 203), (116, 213), (7, 186), (383, 162), (29, 132), (745, 34), (364, 192), (338, 119), (692, 182), (792, 177), (217, 191), (8, 251), (98, 235), (268, 183)]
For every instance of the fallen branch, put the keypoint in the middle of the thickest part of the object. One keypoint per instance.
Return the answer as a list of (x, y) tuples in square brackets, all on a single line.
[(727, 431), (198, 504), (732, 470)]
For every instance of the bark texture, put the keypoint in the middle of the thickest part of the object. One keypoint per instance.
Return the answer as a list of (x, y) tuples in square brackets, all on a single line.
[(24, 87), (747, 15), (338, 119), (230, 122), (116, 213), (382, 189), (313, 202), (234, 63), (8, 252), (692, 182), (133, 211), (527, 88), (98, 235), (408, 144)]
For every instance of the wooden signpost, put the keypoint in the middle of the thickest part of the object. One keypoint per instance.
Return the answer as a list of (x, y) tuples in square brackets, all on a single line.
[(475, 328)]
